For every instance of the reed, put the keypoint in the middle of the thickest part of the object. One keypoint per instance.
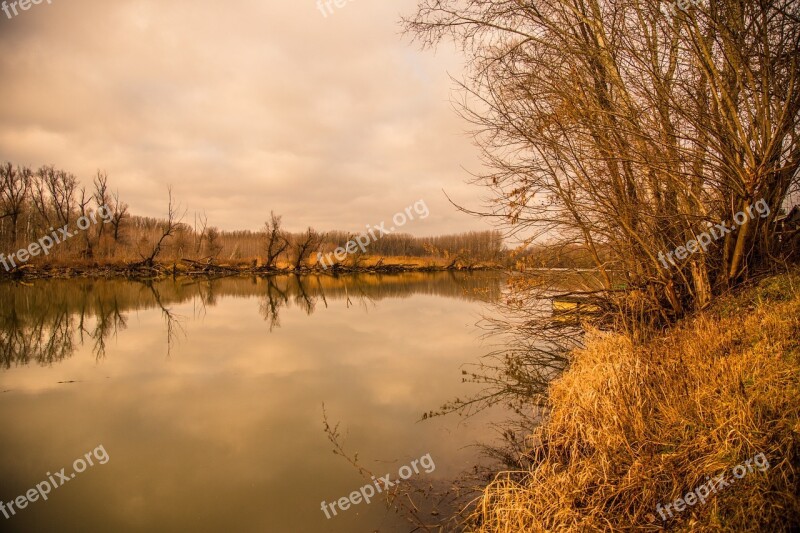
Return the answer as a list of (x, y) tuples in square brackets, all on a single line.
[(631, 426)]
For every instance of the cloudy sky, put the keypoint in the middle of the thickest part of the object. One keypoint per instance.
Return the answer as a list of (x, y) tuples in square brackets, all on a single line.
[(243, 106)]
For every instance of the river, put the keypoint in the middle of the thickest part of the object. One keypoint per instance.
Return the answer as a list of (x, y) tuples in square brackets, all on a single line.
[(200, 403)]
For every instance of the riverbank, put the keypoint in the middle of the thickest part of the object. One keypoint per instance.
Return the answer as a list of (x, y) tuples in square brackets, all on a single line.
[(192, 268), (634, 428)]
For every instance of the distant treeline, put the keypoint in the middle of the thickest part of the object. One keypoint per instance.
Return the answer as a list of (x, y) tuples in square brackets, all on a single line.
[(480, 245), (33, 201)]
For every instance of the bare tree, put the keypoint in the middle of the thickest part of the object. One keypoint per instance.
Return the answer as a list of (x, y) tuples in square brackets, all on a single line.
[(213, 247), (39, 196), (55, 192), (168, 230), (14, 187), (88, 252), (277, 241), (101, 196), (627, 131), (119, 214), (199, 236), (305, 245)]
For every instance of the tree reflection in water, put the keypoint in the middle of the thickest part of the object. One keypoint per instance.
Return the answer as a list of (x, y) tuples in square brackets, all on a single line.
[(45, 322)]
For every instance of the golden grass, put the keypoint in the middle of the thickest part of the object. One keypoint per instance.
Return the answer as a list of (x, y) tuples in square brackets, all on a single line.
[(634, 426)]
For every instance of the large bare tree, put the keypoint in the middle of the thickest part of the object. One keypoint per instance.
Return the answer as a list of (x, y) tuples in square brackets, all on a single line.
[(54, 195), (277, 240), (15, 183), (629, 128)]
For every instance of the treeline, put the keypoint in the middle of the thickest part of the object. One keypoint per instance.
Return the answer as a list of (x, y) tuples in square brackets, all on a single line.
[(32, 202), (474, 245)]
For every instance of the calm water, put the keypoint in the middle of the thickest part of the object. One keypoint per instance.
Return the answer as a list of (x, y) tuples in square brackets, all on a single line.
[(206, 397)]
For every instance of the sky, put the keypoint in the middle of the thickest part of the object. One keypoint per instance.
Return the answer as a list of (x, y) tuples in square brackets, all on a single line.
[(334, 121)]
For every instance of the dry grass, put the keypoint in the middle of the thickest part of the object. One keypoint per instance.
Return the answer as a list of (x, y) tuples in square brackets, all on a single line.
[(634, 426)]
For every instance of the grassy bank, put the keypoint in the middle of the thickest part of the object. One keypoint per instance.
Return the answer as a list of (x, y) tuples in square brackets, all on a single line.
[(631, 427)]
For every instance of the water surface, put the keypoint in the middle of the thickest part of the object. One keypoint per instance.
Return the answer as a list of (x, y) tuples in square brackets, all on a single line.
[(207, 397)]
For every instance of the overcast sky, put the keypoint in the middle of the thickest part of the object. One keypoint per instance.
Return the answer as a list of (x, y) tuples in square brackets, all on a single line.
[(243, 106)]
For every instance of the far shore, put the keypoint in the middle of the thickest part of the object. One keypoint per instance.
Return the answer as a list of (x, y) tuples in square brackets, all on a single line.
[(192, 268)]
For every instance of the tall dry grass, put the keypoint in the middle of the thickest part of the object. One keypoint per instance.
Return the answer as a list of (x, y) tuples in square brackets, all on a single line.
[(634, 426)]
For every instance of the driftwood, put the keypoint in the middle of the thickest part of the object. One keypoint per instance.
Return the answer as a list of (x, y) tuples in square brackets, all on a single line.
[(209, 267)]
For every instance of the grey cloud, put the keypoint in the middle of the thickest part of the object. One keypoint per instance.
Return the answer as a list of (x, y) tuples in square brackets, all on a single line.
[(243, 107)]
